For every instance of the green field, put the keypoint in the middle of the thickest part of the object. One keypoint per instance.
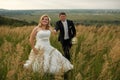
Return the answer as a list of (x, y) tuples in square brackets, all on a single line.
[(96, 56), (79, 16)]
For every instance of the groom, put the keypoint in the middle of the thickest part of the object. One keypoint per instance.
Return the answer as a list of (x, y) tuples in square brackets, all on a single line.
[(67, 32)]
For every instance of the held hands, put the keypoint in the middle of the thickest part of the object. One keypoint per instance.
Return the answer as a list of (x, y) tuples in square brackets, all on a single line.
[(54, 31)]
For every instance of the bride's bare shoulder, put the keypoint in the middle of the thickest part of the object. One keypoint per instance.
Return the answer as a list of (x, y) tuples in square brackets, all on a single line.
[(37, 28)]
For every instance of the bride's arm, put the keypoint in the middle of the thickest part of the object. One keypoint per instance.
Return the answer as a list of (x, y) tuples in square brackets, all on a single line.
[(32, 39)]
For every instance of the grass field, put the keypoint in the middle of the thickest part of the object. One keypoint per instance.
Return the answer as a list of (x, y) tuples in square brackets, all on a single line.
[(82, 16), (95, 57)]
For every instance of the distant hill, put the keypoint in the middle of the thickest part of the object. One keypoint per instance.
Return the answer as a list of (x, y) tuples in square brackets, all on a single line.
[(14, 22), (79, 16), (2, 9)]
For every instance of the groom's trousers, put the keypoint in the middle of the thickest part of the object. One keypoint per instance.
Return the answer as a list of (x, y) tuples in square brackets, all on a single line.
[(66, 45)]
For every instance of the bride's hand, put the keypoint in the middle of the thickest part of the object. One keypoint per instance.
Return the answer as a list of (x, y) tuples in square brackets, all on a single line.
[(35, 50)]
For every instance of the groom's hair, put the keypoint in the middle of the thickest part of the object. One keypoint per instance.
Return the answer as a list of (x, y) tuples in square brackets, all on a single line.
[(62, 13)]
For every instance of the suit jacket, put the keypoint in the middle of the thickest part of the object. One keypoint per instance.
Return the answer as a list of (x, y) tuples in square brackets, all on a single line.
[(71, 29)]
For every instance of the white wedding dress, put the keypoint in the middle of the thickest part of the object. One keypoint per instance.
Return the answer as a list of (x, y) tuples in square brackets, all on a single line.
[(51, 61)]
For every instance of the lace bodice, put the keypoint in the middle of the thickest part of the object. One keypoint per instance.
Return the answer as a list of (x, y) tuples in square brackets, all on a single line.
[(42, 38), (43, 34)]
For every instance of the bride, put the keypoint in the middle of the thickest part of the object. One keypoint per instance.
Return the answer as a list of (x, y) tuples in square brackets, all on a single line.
[(43, 56)]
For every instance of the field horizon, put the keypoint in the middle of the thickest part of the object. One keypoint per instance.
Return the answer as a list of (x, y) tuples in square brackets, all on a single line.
[(79, 16), (96, 56)]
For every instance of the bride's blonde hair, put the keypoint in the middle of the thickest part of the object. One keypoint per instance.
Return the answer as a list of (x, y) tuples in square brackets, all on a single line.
[(48, 25)]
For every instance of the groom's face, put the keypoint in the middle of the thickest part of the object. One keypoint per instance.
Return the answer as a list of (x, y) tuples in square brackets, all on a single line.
[(62, 17)]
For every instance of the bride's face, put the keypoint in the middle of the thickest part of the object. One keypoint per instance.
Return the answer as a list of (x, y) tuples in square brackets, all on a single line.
[(45, 21)]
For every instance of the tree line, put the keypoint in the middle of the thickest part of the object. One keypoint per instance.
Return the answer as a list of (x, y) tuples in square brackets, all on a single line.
[(15, 22)]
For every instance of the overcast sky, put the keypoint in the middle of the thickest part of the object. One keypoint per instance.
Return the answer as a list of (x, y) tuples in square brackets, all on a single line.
[(60, 4)]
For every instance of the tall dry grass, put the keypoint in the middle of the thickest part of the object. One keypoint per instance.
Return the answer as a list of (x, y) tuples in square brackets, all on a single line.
[(95, 57)]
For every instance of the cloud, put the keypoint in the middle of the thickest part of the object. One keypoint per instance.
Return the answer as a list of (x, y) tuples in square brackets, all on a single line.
[(60, 4)]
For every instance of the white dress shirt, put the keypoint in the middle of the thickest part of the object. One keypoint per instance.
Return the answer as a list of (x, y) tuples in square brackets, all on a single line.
[(65, 25)]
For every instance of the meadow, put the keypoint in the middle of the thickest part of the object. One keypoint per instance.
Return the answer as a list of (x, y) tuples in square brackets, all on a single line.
[(96, 56), (79, 16)]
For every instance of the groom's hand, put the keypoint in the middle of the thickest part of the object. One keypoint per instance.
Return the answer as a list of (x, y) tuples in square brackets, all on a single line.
[(54, 31)]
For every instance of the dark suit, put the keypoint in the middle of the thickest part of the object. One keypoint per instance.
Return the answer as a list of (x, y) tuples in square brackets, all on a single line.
[(66, 43)]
